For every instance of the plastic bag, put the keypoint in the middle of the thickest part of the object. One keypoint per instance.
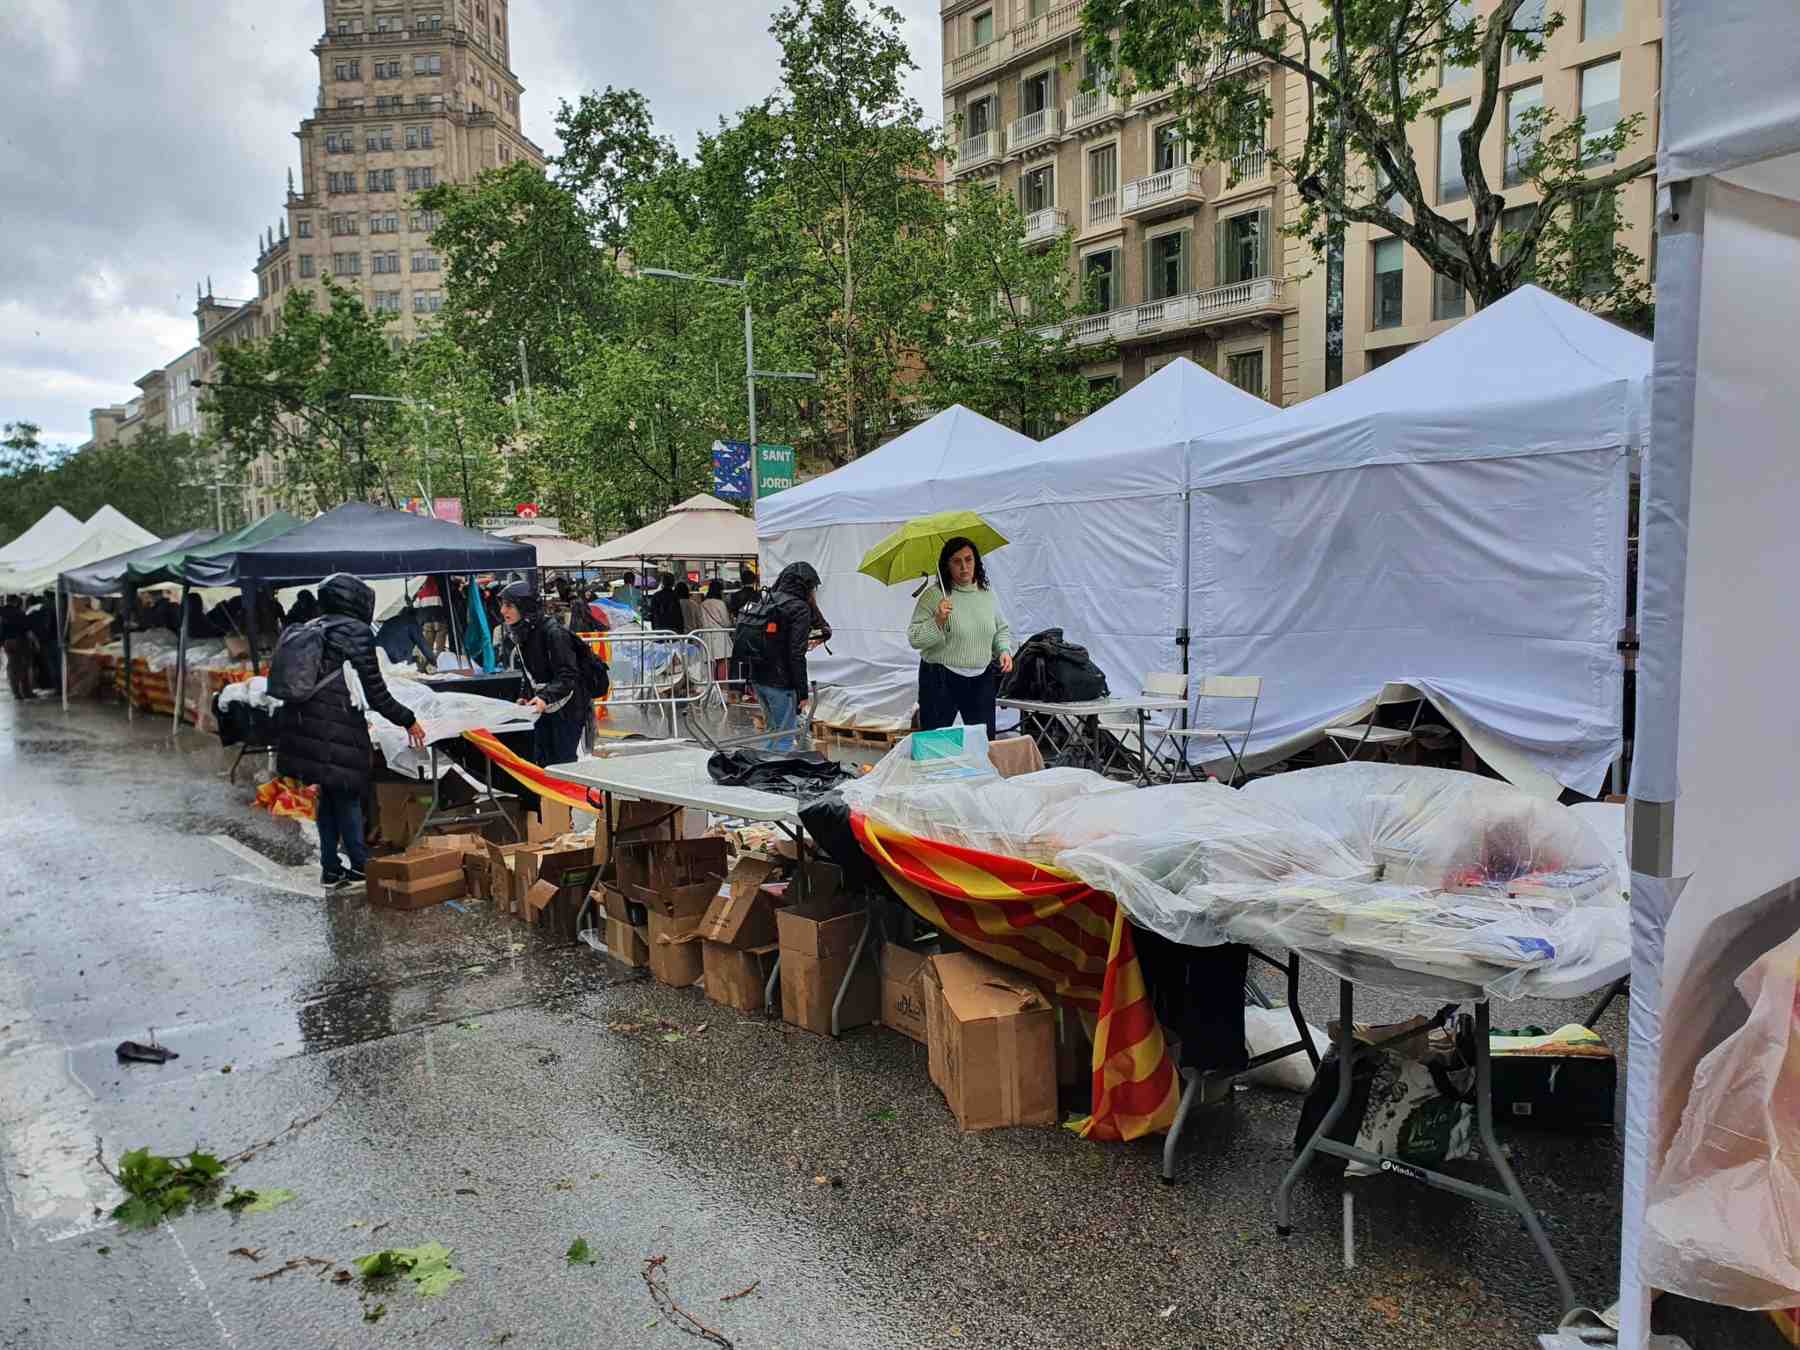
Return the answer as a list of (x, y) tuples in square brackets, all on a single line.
[(1722, 1221), (1267, 1029)]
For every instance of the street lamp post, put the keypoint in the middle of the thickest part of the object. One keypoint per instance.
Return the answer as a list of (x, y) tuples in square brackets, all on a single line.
[(751, 373)]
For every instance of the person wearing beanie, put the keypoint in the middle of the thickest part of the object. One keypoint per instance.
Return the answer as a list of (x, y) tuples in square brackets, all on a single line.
[(542, 650)]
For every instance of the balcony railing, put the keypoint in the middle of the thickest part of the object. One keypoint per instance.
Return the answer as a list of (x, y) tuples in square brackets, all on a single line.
[(1172, 187), (1250, 167), (1046, 28), (988, 56), (1194, 309), (1033, 128), (1104, 209), (1094, 105), (977, 149), (1045, 224)]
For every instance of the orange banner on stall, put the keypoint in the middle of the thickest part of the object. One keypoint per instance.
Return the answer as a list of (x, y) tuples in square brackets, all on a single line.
[(528, 774), (1072, 940)]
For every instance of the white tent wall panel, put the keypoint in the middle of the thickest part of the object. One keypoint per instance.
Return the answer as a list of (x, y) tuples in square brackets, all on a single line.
[(1498, 584)]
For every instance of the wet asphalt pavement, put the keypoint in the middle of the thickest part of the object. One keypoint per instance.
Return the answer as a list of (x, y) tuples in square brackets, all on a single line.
[(461, 1079)]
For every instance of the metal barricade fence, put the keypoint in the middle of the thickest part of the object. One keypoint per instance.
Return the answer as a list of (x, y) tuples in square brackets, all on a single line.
[(650, 687)]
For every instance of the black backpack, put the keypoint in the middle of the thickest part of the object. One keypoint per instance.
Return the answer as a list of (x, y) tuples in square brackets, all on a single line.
[(757, 630), (1051, 670), (596, 679), (297, 670)]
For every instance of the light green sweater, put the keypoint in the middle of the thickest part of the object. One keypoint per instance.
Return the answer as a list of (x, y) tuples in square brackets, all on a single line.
[(978, 631)]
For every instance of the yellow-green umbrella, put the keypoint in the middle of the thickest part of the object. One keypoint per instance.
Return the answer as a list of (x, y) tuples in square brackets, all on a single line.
[(912, 550)]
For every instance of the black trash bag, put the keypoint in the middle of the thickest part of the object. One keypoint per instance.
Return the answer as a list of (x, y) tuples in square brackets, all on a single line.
[(1198, 996), (776, 770), (139, 1053), (1050, 670), (827, 820)]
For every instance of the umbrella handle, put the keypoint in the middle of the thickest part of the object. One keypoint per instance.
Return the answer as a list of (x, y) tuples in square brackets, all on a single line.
[(923, 583)]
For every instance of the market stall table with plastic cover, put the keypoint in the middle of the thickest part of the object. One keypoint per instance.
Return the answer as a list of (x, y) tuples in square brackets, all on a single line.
[(1081, 721)]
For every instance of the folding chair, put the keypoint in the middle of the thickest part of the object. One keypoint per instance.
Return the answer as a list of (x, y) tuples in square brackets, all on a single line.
[(1127, 727), (1228, 688), (1387, 739)]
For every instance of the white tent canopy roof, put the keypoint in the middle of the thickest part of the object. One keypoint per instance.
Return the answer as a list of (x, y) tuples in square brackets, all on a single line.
[(900, 480), (52, 534), (556, 550), (1531, 374), (701, 527), (107, 533)]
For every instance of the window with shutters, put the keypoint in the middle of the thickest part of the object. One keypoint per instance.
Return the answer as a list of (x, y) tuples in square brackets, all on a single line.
[(347, 264), (1037, 189), (1389, 270), (303, 226), (381, 140), (1103, 172), (417, 180), (1100, 277), (424, 261), (386, 262), (381, 180), (1244, 247), (1245, 370), (1166, 264), (428, 65), (980, 118), (306, 264), (1168, 148), (981, 29), (1037, 92)]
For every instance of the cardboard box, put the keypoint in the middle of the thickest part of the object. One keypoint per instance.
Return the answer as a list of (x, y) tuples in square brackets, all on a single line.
[(737, 977), (903, 991), (417, 864), (627, 944), (675, 955), (742, 912), (537, 900), (417, 894), (1565, 1080), (399, 811), (475, 876), (625, 910), (551, 819), (1015, 755), (816, 942), (666, 864), (994, 1041)]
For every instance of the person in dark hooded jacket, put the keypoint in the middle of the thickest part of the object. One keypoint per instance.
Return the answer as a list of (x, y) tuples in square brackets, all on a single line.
[(780, 677), (325, 740), (544, 651)]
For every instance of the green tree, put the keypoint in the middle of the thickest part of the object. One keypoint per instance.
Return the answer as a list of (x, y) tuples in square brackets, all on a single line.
[(843, 230), (999, 333), (522, 263), (152, 480), (289, 395), (1369, 70), (612, 155)]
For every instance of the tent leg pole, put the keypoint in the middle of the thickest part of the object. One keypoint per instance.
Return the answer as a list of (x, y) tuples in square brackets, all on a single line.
[(130, 601), (62, 640), (180, 664)]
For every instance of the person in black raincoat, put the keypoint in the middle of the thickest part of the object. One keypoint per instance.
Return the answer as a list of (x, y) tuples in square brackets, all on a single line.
[(543, 650), (325, 740), (780, 677)]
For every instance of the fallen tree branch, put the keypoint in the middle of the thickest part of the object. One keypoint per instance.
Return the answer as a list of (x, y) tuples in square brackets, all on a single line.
[(293, 1127), (678, 1316), (742, 1293)]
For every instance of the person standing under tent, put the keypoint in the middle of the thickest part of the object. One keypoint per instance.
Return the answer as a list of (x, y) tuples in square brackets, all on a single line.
[(714, 613), (963, 640), (543, 651), (625, 591), (779, 675), (665, 607), (15, 640), (745, 592), (691, 618), (429, 602), (324, 742), (41, 620)]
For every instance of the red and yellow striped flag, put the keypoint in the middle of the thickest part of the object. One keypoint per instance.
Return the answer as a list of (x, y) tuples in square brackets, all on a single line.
[(527, 773), (1074, 941)]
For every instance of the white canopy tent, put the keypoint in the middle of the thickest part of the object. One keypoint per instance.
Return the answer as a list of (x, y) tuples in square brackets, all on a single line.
[(701, 527), (1715, 782), (833, 521), (106, 534), (1455, 519), (49, 535)]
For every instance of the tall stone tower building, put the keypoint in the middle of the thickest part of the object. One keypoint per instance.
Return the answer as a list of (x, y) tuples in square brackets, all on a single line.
[(411, 93)]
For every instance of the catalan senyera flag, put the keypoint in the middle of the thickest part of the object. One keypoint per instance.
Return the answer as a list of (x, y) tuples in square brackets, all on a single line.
[(1074, 941), (561, 790)]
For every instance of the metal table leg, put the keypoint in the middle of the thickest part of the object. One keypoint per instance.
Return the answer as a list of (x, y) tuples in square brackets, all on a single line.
[(1512, 1198), (862, 941)]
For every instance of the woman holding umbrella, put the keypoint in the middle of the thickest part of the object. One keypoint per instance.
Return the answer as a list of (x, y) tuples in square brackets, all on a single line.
[(963, 640)]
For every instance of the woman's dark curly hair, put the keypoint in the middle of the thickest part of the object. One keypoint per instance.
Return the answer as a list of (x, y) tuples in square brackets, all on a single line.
[(951, 548)]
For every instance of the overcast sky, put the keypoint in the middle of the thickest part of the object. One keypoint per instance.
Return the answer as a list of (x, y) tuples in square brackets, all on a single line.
[(145, 146)]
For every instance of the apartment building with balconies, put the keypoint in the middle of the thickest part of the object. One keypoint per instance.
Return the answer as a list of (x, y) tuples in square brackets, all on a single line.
[(412, 93), (1187, 257), (1181, 253)]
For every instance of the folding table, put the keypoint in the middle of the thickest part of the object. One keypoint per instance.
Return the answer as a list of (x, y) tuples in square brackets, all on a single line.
[(1081, 721), (1572, 980)]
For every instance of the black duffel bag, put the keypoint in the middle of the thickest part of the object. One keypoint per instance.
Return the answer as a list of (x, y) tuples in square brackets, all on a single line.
[(1050, 670)]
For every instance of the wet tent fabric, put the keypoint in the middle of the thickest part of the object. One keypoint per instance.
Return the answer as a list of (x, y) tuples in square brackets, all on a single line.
[(105, 534), (171, 565), (701, 527), (110, 576), (48, 536), (1715, 859), (1455, 519), (368, 541)]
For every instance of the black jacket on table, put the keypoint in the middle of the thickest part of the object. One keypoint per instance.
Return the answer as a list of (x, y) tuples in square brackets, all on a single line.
[(545, 650), (325, 741), (784, 663)]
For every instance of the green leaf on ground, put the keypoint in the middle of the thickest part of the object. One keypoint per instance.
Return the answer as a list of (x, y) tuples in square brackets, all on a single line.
[(427, 1266), (885, 1114), (580, 1255), (258, 1202), (468, 1026), (157, 1187), (376, 1313)]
